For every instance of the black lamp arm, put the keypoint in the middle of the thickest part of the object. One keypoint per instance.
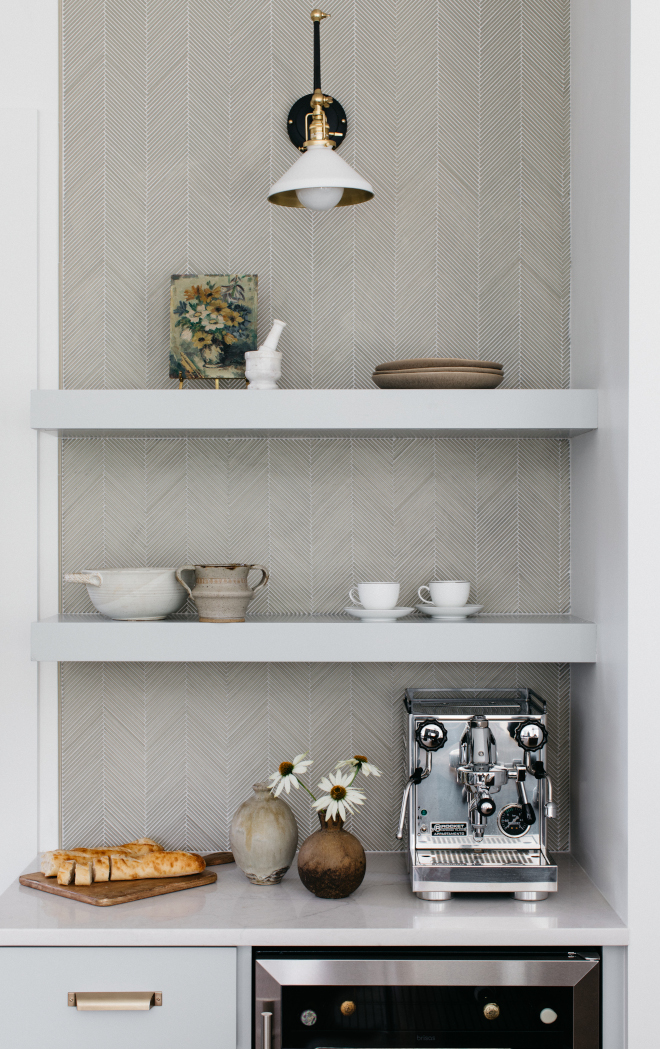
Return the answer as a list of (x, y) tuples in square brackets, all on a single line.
[(317, 56)]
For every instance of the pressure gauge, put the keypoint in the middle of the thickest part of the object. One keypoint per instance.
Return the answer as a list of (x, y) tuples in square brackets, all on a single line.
[(511, 821)]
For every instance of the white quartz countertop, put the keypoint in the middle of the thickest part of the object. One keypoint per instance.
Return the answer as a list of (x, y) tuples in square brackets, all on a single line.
[(383, 912)]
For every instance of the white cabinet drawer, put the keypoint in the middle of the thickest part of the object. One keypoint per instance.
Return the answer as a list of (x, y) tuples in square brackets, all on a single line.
[(198, 985)]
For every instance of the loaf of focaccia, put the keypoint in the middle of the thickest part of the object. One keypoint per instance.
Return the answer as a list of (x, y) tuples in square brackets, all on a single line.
[(52, 861)]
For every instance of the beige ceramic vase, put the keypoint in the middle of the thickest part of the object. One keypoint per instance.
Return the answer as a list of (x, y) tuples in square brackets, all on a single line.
[(221, 592), (263, 837), (331, 862)]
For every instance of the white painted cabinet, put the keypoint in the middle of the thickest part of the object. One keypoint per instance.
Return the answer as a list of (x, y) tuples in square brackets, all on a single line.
[(198, 987)]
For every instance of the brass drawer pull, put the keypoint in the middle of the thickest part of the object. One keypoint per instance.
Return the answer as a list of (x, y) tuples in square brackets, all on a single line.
[(95, 1001)]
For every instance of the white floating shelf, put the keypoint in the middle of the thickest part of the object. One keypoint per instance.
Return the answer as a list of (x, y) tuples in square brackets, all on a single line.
[(318, 639), (485, 413)]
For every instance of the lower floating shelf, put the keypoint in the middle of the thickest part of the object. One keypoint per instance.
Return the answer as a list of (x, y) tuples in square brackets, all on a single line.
[(317, 639)]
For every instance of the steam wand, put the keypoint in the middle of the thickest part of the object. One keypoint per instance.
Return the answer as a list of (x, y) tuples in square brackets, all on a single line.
[(417, 776)]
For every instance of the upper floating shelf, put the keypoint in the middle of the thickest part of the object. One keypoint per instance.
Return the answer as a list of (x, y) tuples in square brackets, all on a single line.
[(317, 639), (366, 413)]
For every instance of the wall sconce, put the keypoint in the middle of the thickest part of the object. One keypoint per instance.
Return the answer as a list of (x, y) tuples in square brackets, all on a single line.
[(319, 180)]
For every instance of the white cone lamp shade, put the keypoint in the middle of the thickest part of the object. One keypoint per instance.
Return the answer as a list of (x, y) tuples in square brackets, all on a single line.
[(317, 170)]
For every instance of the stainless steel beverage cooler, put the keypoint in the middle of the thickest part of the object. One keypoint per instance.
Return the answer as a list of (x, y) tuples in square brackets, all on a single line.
[(437, 999)]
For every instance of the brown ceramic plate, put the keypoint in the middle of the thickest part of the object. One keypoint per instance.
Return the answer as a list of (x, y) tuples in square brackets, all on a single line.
[(435, 362), (438, 379), (432, 371)]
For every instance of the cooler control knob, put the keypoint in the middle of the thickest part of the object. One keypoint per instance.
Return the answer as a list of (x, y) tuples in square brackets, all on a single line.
[(547, 1016), (491, 1011)]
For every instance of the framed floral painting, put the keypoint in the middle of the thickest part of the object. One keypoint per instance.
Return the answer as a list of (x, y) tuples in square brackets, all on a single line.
[(213, 321)]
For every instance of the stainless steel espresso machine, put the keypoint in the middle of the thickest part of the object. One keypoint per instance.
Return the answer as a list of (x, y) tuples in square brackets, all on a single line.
[(478, 794)]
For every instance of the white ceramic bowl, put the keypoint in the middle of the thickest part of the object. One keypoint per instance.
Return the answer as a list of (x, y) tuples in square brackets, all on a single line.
[(132, 593)]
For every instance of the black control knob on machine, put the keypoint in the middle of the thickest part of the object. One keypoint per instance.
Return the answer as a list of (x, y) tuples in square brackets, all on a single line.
[(431, 735), (531, 735), (529, 815), (486, 806)]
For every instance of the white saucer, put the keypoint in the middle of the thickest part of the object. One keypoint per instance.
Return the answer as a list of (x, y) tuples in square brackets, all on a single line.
[(451, 613), (378, 615)]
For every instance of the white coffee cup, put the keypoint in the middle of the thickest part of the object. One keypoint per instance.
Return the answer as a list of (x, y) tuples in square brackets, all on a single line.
[(446, 592), (375, 595)]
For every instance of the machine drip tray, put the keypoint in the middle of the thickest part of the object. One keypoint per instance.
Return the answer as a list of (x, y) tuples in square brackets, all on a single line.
[(479, 858)]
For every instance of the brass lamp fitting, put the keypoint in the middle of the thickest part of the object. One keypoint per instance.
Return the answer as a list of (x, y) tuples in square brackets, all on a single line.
[(317, 119), (317, 129)]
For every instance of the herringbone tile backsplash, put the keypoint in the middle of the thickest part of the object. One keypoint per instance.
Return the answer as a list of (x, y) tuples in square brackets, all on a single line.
[(173, 130), (324, 514), (174, 748), (170, 750)]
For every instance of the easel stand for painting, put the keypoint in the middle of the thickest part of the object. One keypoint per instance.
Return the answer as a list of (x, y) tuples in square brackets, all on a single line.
[(217, 381)]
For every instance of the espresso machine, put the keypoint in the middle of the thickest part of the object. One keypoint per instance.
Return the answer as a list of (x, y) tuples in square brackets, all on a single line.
[(478, 794)]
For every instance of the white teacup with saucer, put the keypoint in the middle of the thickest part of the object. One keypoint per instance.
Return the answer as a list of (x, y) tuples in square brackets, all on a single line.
[(375, 595)]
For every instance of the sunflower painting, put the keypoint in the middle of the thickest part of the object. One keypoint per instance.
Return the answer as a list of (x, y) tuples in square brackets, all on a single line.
[(213, 321)]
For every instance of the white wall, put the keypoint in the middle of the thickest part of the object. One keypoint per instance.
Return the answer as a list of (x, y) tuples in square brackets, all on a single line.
[(644, 513), (18, 478), (599, 336), (29, 224), (615, 192)]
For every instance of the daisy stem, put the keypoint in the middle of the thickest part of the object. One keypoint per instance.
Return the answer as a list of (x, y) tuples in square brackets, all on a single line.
[(305, 788), (357, 769)]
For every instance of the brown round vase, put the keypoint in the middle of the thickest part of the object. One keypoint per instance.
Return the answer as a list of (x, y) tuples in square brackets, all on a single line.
[(331, 862)]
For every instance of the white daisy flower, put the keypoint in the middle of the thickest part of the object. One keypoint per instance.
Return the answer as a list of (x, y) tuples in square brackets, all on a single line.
[(212, 322), (360, 763), (186, 335), (287, 774), (340, 796)]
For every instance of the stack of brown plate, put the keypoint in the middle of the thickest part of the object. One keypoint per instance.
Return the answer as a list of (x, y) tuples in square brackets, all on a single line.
[(438, 373)]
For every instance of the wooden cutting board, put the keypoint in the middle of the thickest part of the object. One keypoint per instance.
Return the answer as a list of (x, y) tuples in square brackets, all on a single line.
[(109, 893)]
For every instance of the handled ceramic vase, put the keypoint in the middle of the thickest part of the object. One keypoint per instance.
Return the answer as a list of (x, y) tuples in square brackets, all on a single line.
[(221, 592)]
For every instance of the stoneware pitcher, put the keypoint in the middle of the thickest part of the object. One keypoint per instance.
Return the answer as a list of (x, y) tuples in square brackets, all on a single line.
[(221, 592)]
